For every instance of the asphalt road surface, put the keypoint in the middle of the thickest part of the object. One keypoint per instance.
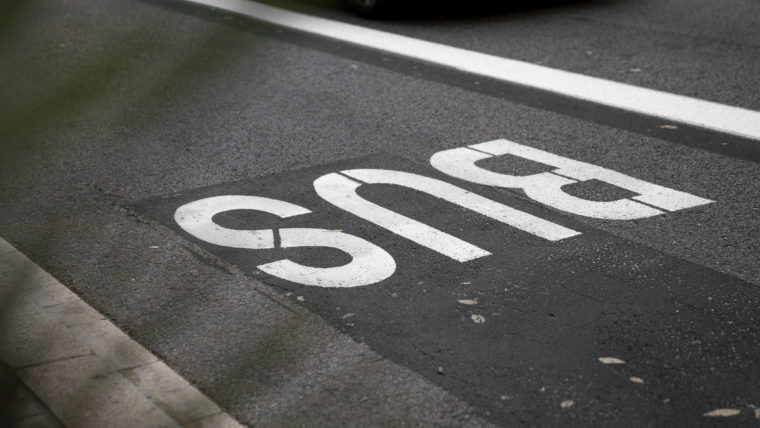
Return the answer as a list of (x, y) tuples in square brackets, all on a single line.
[(318, 232)]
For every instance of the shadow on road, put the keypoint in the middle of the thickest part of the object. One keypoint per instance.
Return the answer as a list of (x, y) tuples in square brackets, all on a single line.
[(453, 10)]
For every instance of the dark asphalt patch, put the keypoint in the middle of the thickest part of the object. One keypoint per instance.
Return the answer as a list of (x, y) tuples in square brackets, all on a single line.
[(544, 312)]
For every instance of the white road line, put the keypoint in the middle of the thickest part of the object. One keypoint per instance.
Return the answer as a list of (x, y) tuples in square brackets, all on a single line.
[(677, 108), (81, 366)]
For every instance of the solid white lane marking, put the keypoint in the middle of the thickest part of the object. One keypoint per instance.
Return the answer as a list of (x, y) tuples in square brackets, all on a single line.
[(673, 107), (86, 370)]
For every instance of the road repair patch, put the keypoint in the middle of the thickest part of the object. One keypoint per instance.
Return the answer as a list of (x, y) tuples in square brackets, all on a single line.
[(504, 300)]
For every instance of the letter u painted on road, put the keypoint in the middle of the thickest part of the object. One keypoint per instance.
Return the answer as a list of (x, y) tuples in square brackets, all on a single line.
[(341, 192)]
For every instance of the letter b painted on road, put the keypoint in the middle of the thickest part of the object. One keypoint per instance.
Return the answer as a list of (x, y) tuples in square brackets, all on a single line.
[(546, 187)]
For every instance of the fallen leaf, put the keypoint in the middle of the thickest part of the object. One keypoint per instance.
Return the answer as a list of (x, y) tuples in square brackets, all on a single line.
[(348, 315), (468, 302), (611, 360), (567, 403), (300, 298), (478, 319), (723, 412), (668, 127), (757, 413), (636, 379), (153, 246)]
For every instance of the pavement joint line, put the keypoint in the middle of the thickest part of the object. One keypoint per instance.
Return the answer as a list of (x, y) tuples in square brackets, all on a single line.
[(72, 357), (117, 382), (648, 102)]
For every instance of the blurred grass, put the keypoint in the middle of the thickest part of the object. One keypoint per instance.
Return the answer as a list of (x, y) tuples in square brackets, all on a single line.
[(38, 99)]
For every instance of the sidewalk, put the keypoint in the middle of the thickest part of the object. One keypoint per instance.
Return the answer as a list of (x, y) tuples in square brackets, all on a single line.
[(22, 409), (80, 370)]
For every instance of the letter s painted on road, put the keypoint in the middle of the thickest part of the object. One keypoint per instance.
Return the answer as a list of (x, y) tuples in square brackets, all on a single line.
[(370, 264)]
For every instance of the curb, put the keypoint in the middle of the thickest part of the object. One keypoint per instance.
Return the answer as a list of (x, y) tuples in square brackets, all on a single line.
[(82, 367)]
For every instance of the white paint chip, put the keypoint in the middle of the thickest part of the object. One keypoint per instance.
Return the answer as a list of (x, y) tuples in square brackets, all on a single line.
[(722, 413), (478, 319), (611, 360)]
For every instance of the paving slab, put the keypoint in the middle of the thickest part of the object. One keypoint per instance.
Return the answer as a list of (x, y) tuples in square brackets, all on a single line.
[(79, 366)]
